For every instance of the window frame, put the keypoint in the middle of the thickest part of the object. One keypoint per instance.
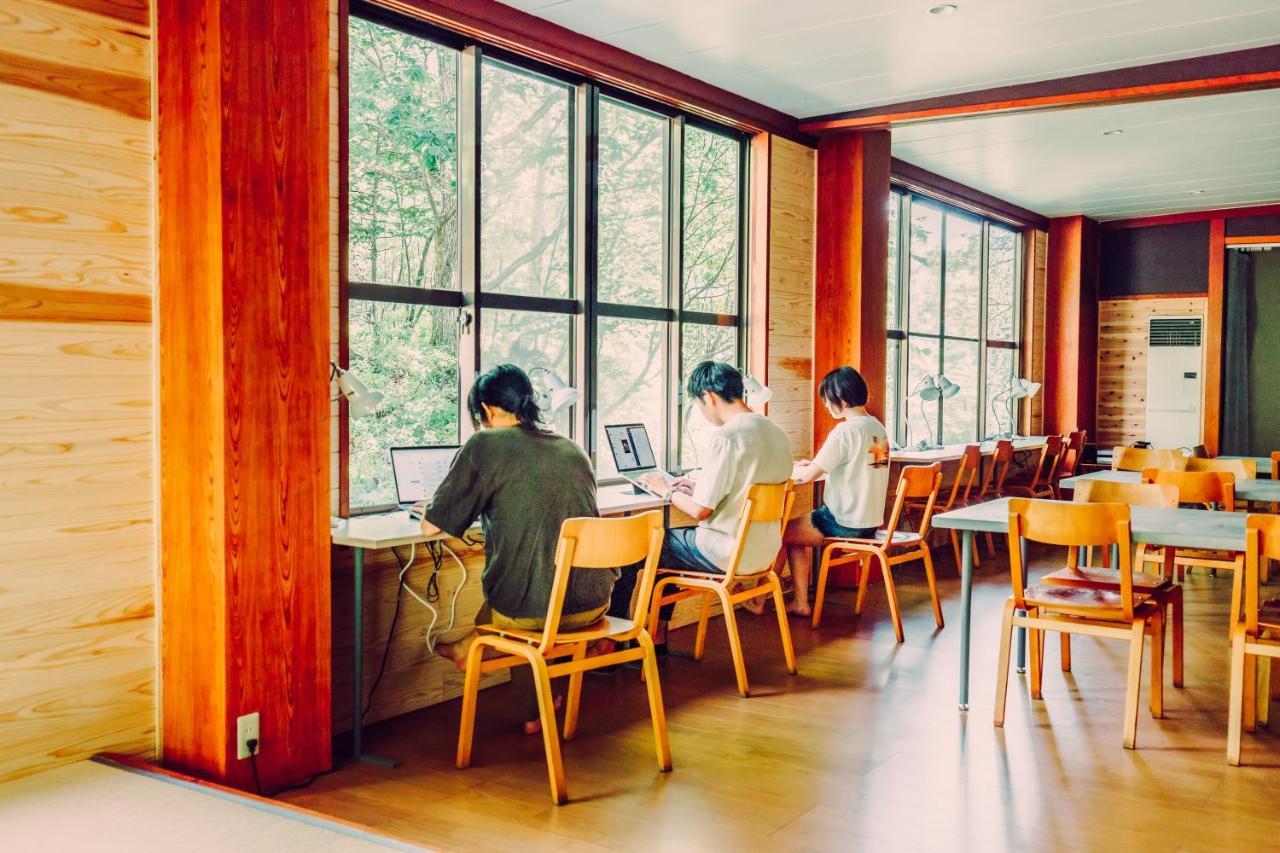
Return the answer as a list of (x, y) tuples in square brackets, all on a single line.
[(582, 304)]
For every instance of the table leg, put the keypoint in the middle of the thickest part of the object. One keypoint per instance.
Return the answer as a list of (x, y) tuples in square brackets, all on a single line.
[(966, 606), (357, 669), (1022, 632)]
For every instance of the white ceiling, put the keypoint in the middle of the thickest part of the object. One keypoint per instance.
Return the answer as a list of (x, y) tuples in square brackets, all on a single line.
[(1059, 163), (810, 57)]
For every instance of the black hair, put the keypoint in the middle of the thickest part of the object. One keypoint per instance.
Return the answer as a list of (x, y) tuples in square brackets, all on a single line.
[(717, 378), (505, 387), (844, 387)]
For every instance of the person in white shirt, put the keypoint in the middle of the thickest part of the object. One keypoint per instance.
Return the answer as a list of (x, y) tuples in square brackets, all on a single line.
[(855, 460), (745, 449)]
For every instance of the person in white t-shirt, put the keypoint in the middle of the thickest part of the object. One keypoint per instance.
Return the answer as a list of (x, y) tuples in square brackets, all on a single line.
[(745, 449), (855, 460)]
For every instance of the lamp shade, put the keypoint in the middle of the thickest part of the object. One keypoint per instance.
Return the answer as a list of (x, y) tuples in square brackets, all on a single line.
[(757, 393), (361, 401), (560, 395), (946, 387)]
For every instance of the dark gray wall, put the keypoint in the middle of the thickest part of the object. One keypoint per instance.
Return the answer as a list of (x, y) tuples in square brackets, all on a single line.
[(1264, 356), (1157, 259), (1249, 226)]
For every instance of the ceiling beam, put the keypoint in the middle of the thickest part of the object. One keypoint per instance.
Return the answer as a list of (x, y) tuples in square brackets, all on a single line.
[(930, 183), (1193, 216), (1238, 71)]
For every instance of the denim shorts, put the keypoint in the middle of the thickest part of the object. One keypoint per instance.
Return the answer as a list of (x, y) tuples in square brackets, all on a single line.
[(832, 529)]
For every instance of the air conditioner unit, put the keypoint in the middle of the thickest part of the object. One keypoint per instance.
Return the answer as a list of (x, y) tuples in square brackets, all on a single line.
[(1175, 368)]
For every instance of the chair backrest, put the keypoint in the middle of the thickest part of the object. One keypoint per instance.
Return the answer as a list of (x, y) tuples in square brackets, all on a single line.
[(1075, 526), (590, 544), (1137, 458), (1243, 469), (915, 482), (1071, 454), (966, 476), (1275, 464), (1197, 487), (765, 503), (1050, 455), (1199, 451), (993, 482), (1129, 494), (1262, 542)]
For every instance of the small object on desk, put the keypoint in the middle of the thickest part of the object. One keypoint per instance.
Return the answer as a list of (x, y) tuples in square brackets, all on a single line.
[(417, 511)]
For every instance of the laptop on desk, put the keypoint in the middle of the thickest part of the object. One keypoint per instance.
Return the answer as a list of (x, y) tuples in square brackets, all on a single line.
[(419, 471), (633, 455)]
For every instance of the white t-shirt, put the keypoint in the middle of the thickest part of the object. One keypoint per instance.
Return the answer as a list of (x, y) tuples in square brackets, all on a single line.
[(856, 459), (747, 450)]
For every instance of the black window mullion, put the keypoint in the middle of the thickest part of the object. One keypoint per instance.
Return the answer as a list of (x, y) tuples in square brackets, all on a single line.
[(469, 71), (404, 295), (675, 292)]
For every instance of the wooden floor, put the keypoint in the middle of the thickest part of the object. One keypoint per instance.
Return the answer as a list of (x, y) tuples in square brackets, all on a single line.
[(864, 749)]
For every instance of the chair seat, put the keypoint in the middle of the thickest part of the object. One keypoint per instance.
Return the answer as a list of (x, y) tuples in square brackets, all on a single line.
[(607, 626), (1099, 578), (900, 537), (1080, 601)]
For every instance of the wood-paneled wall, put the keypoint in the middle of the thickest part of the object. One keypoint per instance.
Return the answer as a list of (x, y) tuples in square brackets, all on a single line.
[(1122, 362), (1035, 270), (77, 574)]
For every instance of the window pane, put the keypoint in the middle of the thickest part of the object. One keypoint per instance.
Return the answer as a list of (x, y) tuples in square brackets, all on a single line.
[(891, 389), (632, 205), (925, 272), (710, 221), (921, 416), (524, 183), (410, 353), (1002, 283), (530, 340), (999, 370), (718, 343), (963, 276), (630, 385), (960, 413), (403, 173), (891, 304)]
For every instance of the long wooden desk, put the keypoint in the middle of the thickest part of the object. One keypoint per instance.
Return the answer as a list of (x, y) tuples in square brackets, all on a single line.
[(952, 452), (1262, 491), (1181, 528), (390, 530)]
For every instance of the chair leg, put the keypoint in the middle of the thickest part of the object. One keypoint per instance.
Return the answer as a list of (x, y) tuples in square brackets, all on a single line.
[(820, 596), (550, 738), (1236, 706), (977, 561), (1036, 648), (1250, 692), (891, 592), (1156, 700), (1264, 691), (784, 629), (1237, 592), (575, 695), (735, 643), (470, 690), (1065, 642), (933, 585), (657, 712), (864, 576), (955, 546), (704, 616), (1137, 638), (1175, 606), (1002, 669)]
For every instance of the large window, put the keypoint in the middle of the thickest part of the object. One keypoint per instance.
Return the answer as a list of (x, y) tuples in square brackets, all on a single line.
[(952, 310), (498, 211)]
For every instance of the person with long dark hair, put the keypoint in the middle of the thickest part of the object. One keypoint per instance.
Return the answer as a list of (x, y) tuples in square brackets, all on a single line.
[(521, 482)]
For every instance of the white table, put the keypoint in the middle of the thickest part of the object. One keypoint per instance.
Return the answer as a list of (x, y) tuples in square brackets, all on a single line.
[(1262, 491), (1263, 463), (952, 452), (1181, 528), (390, 530)]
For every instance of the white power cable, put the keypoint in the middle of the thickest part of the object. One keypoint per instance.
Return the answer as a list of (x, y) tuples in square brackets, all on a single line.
[(435, 614)]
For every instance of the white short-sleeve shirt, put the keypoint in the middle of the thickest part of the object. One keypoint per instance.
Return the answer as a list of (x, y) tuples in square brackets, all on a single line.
[(856, 459)]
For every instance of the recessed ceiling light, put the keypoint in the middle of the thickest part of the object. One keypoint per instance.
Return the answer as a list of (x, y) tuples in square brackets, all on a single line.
[(1115, 132), (1196, 192), (944, 9)]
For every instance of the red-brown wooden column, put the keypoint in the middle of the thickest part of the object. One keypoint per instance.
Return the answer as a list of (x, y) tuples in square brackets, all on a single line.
[(243, 316), (1071, 326), (852, 263)]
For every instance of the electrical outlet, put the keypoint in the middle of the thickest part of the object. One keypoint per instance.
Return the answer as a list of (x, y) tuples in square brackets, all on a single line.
[(247, 730)]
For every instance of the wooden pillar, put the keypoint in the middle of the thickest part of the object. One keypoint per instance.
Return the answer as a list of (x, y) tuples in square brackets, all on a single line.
[(1211, 408), (852, 264), (1071, 326), (243, 316)]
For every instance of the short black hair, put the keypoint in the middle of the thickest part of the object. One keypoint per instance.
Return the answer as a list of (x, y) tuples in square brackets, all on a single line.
[(844, 387), (505, 387), (716, 377)]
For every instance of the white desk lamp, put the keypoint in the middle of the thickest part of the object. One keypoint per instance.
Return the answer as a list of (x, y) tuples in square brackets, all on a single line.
[(360, 400), (1021, 388), (933, 386), (758, 394), (560, 395)]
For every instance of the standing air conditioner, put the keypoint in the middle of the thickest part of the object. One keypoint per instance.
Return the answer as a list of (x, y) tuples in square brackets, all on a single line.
[(1175, 364)]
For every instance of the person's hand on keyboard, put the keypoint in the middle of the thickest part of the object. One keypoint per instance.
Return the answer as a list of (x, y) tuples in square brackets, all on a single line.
[(656, 484)]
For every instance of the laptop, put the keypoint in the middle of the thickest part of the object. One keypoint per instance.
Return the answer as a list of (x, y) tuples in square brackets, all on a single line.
[(633, 455), (419, 471)]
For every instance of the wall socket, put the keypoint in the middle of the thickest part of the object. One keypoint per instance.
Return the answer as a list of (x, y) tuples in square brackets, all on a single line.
[(247, 730)]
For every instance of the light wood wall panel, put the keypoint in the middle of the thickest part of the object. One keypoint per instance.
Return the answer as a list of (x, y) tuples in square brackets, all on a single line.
[(1033, 338), (77, 575), (1122, 363)]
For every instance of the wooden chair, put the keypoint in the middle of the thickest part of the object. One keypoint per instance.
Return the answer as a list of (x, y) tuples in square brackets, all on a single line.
[(891, 547), (1042, 483), (1072, 453), (961, 494), (993, 480), (1160, 587), (765, 504), (1256, 636), (1137, 458), (1208, 489), (1241, 469), (586, 544), (1124, 614)]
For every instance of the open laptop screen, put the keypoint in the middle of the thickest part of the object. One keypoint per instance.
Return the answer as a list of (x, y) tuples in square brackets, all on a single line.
[(419, 471), (631, 448)]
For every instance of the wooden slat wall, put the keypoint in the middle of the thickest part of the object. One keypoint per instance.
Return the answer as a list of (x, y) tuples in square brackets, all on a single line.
[(1033, 338), (77, 575), (1122, 363)]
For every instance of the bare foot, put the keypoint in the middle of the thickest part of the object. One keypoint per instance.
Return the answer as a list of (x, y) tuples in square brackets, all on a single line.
[(456, 652), (754, 605), (601, 647), (796, 609), (534, 727)]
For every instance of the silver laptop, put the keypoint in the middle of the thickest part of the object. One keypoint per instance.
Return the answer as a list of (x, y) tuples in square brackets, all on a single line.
[(419, 471), (633, 454)]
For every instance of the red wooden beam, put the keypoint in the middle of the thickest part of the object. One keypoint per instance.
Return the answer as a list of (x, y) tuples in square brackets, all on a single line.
[(1194, 216)]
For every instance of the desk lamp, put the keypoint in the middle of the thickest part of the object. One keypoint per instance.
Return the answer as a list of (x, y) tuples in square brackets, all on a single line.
[(560, 395), (933, 386), (360, 400), (758, 394), (1021, 388)]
